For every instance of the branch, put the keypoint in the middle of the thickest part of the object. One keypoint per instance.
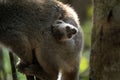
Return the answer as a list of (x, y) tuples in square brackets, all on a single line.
[(14, 74)]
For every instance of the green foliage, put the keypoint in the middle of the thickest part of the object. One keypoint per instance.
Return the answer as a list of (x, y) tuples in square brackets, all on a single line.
[(7, 67), (84, 66), (90, 11), (7, 61), (87, 44), (21, 76), (87, 33)]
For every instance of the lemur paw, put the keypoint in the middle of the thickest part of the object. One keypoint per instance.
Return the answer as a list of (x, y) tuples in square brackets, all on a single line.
[(63, 31), (31, 69), (21, 66)]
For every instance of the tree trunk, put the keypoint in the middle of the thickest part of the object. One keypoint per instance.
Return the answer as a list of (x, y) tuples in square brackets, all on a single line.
[(105, 53)]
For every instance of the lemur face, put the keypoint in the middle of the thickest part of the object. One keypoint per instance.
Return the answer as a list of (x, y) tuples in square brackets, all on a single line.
[(63, 31)]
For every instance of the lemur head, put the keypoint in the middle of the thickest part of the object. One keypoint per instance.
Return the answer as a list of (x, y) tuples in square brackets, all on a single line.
[(63, 31), (67, 24), (69, 15)]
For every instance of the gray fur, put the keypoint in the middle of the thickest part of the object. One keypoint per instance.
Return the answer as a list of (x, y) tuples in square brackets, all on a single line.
[(26, 25)]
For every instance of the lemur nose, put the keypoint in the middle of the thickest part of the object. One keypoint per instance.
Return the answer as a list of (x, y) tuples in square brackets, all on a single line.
[(74, 31), (67, 28)]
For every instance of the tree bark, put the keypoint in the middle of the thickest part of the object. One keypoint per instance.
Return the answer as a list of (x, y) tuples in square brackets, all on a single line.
[(105, 52)]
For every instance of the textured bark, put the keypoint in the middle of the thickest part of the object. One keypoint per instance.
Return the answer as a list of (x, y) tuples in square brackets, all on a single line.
[(105, 53)]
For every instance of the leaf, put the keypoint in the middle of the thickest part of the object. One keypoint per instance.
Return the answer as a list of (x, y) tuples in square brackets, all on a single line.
[(84, 64)]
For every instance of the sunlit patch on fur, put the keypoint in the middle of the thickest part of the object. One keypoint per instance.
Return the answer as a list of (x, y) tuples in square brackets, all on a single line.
[(59, 75)]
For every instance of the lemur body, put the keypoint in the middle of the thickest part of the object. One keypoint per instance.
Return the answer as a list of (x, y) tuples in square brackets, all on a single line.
[(25, 25)]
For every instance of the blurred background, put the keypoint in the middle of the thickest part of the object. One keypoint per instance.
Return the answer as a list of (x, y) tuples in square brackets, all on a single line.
[(84, 9)]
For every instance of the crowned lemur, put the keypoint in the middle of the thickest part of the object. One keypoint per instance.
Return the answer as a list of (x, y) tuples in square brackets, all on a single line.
[(49, 28)]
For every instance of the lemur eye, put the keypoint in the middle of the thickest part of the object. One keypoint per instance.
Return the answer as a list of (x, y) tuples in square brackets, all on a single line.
[(58, 22)]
